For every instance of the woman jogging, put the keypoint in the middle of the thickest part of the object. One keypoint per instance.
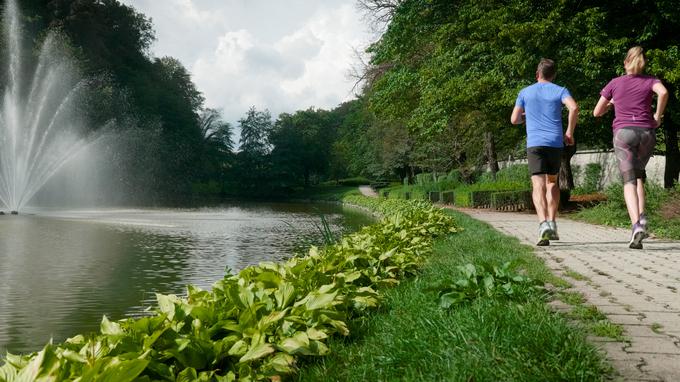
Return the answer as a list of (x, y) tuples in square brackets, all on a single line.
[(634, 132)]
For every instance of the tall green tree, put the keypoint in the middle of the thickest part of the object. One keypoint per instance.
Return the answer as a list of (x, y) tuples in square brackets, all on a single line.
[(302, 143), (252, 168)]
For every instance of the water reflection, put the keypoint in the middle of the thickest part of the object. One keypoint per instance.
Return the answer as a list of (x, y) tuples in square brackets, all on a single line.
[(60, 271)]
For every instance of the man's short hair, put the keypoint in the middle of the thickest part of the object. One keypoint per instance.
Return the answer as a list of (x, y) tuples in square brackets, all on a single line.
[(546, 69)]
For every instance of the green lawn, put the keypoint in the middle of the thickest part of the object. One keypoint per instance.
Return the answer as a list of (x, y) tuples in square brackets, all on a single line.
[(489, 339), (662, 209)]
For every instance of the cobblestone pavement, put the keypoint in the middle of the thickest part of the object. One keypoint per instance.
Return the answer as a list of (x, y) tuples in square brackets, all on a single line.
[(637, 289)]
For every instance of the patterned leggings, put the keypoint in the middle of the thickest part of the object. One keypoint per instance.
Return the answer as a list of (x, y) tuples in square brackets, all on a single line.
[(633, 147)]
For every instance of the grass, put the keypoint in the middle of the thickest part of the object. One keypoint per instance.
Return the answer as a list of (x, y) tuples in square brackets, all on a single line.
[(657, 328), (575, 275), (326, 193), (412, 339), (662, 207), (606, 328), (571, 298)]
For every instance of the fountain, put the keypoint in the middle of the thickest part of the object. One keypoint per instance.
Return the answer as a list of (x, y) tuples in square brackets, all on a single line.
[(42, 122)]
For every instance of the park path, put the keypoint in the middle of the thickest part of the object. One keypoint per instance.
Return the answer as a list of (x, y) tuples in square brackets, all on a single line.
[(637, 289), (368, 191)]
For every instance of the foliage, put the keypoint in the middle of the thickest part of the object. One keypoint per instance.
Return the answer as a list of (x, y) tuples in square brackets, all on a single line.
[(251, 326), (489, 281), (592, 179), (411, 338), (517, 173)]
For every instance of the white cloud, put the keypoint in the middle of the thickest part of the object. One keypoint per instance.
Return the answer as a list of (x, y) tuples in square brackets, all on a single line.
[(281, 55)]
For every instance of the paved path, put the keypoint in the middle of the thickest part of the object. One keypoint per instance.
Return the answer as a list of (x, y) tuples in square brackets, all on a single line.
[(638, 289), (368, 191)]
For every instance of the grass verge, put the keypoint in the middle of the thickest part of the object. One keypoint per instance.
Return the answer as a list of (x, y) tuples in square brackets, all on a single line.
[(411, 338), (663, 210)]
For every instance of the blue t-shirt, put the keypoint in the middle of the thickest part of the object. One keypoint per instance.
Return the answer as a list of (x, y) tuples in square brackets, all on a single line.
[(542, 104)]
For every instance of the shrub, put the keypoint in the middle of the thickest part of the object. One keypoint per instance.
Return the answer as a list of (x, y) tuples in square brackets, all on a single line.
[(516, 173), (425, 178), (592, 178)]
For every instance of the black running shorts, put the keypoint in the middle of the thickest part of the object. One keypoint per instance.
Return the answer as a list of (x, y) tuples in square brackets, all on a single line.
[(544, 160)]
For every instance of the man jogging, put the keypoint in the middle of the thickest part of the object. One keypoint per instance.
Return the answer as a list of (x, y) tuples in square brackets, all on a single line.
[(541, 103)]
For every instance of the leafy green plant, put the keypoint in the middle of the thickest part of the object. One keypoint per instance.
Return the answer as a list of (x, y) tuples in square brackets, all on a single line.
[(592, 179), (256, 324), (489, 281)]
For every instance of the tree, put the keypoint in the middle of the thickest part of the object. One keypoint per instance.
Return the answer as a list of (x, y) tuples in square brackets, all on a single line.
[(302, 144), (252, 168), (443, 62)]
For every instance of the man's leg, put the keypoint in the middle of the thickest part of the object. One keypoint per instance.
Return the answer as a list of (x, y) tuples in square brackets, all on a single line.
[(538, 195), (552, 197)]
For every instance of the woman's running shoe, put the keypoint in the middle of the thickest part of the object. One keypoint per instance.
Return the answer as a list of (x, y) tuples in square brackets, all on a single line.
[(637, 236)]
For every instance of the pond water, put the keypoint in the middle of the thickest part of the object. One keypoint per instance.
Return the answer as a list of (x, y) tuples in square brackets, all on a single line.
[(60, 271)]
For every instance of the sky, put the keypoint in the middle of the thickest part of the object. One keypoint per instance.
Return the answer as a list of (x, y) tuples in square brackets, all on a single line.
[(282, 55)]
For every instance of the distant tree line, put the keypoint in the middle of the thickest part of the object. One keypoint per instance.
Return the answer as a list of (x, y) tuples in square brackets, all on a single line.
[(435, 94)]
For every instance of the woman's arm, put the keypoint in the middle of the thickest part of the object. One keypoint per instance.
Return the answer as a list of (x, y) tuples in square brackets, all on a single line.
[(661, 100), (602, 107)]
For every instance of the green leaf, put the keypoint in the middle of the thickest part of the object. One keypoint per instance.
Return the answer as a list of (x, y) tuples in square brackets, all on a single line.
[(258, 352), (239, 348), (125, 371), (297, 344), (110, 328), (282, 363)]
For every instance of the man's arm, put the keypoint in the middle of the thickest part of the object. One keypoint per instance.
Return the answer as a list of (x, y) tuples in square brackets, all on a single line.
[(572, 119), (516, 118)]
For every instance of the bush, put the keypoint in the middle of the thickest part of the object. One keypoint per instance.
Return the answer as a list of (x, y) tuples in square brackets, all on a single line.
[(592, 178), (516, 173), (425, 178)]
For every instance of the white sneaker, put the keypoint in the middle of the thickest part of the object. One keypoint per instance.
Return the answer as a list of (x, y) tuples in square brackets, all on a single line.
[(544, 234)]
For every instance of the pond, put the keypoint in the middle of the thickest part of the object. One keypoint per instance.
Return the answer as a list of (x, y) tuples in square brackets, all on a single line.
[(60, 271)]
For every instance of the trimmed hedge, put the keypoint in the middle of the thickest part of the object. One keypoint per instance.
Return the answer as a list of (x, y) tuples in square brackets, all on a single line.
[(512, 200), (256, 324)]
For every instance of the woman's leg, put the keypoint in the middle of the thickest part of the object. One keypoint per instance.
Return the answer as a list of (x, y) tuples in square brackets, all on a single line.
[(630, 194), (626, 142), (641, 196)]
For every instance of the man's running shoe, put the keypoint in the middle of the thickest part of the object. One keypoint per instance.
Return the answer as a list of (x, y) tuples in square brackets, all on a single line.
[(544, 233), (553, 227), (637, 236)]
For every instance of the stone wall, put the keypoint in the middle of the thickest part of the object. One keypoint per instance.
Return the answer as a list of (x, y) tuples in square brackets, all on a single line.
[(610, 167)]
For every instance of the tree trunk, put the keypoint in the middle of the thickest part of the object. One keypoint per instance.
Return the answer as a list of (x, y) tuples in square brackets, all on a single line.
[(566, 177), (490, 150), (670, 131)]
